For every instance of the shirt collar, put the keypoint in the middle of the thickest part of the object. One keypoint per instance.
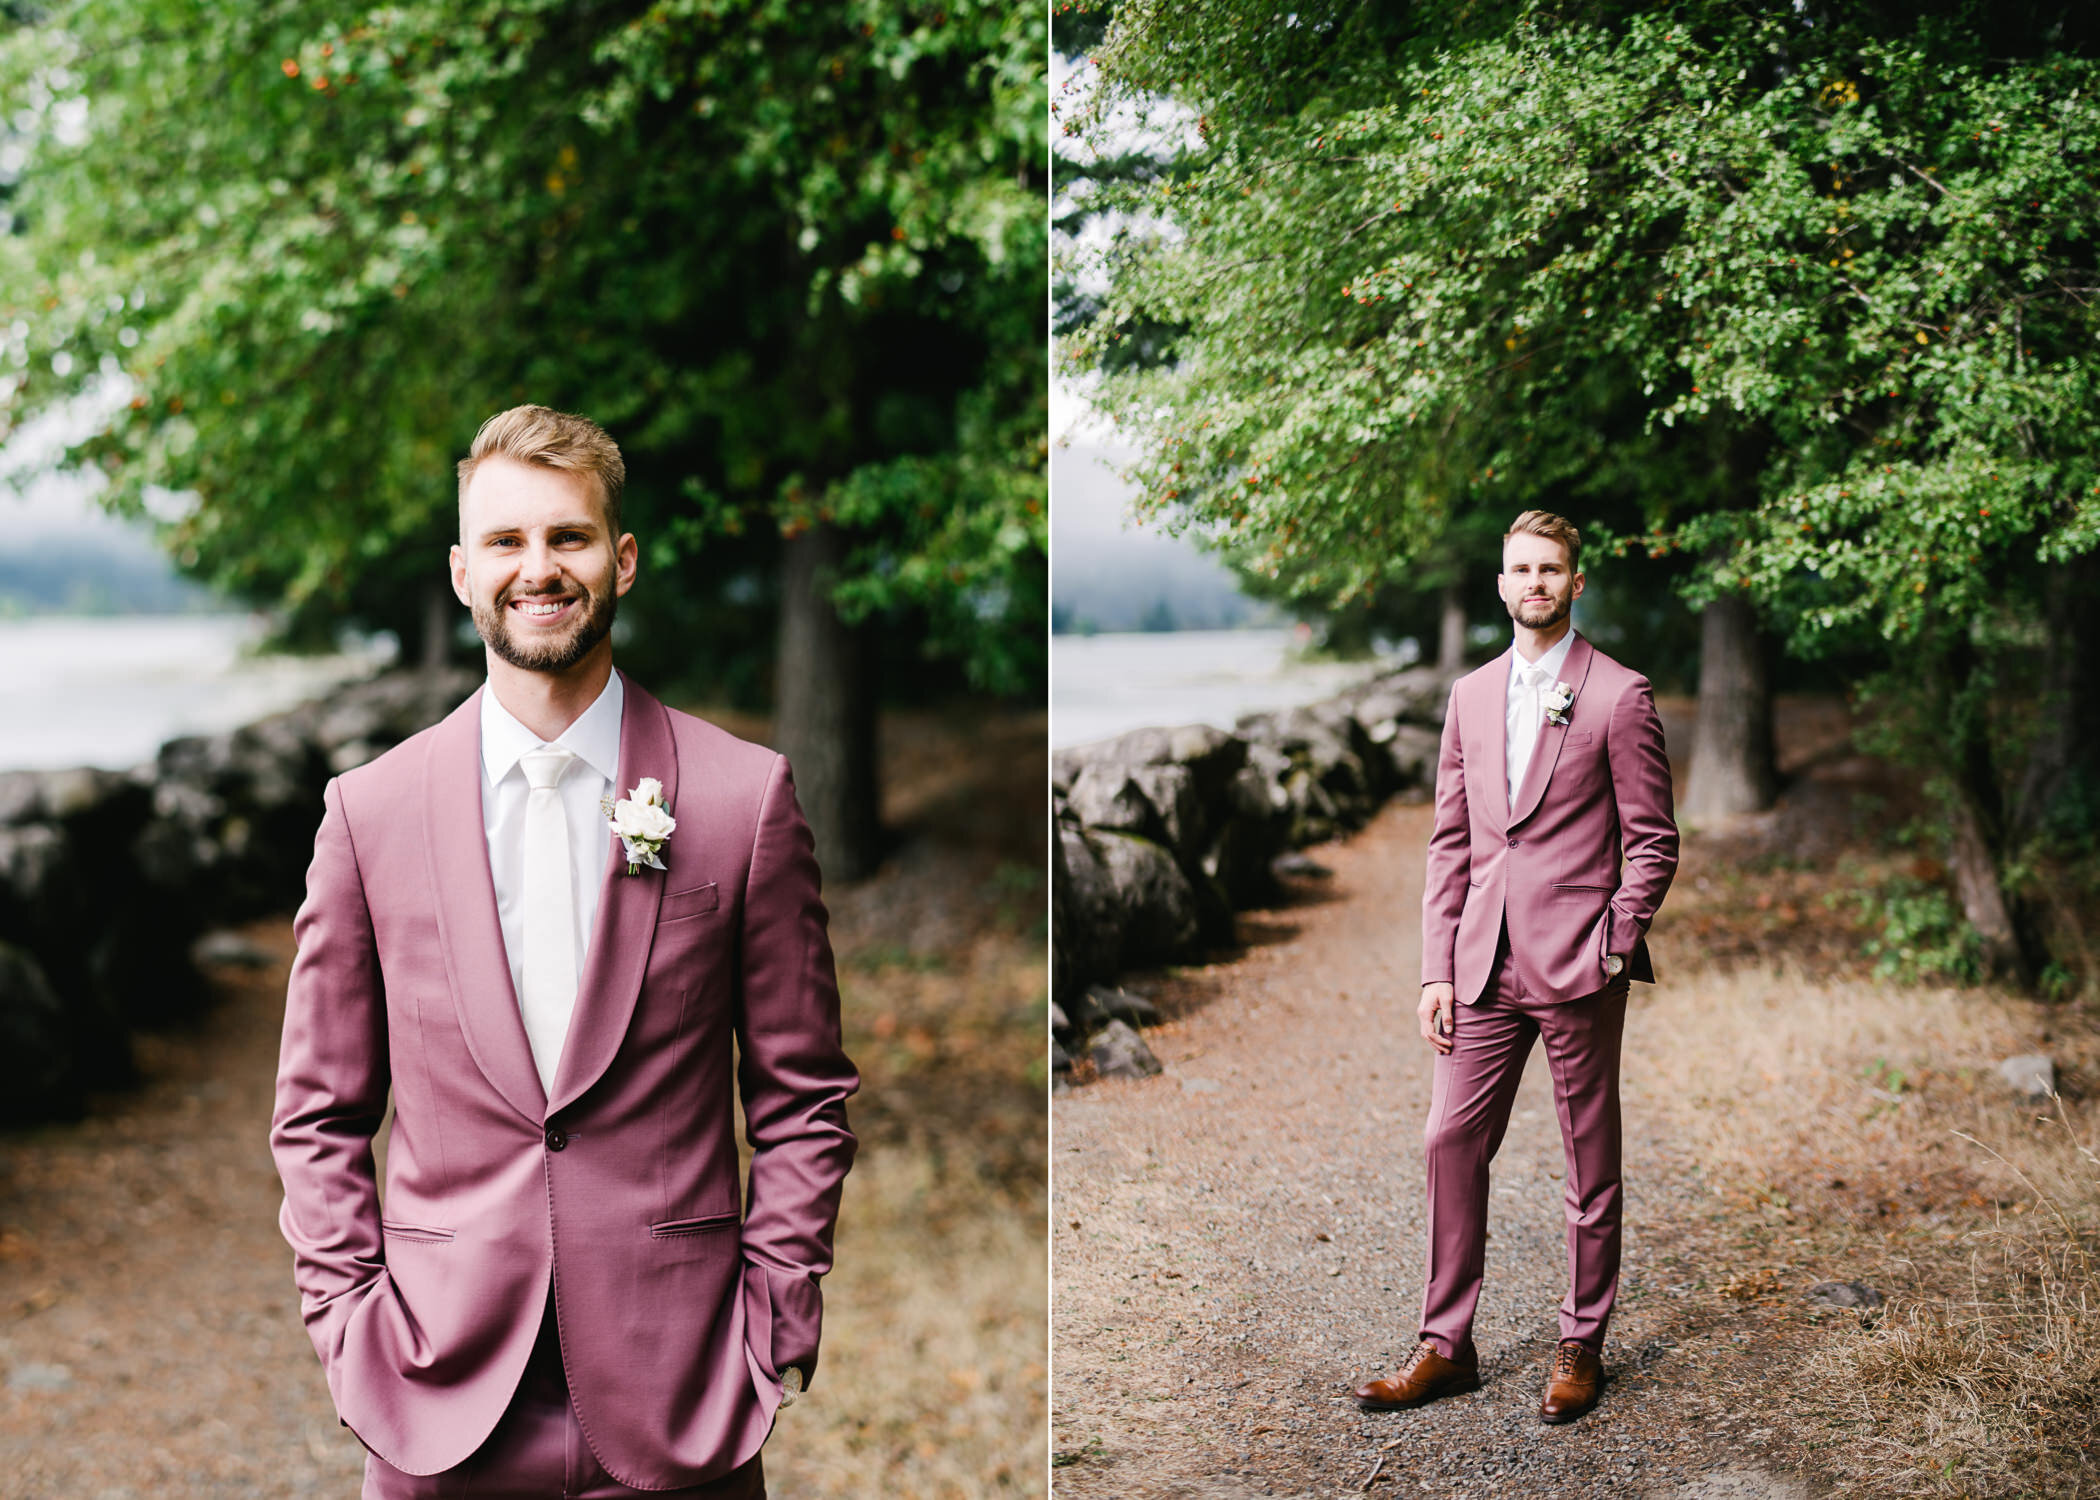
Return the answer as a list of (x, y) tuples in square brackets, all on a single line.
[(594, 736), (1552, 661)]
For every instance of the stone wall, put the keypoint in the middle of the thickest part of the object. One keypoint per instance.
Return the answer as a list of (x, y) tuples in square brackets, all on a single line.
[(1162, 834), (109, 879)]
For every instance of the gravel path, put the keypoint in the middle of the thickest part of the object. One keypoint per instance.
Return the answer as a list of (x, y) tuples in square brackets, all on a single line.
[(1238, 1241)]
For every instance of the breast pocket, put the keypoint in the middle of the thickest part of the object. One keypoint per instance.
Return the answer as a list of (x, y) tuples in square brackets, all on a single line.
[(680, 906)]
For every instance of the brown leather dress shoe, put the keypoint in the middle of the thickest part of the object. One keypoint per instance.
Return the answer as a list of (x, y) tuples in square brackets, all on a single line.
[(1571, 1390), (1426, 1376)]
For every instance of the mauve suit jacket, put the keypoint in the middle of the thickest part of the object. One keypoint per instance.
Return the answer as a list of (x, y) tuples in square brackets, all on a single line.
[(1596, 788), (677, 1312)]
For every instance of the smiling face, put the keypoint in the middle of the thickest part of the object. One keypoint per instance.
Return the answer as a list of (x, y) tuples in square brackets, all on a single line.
[(538, 565), (1537, 584)]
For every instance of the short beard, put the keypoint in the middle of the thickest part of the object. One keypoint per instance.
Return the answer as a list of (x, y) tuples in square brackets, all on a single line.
[(594, 622), (1558, 612)]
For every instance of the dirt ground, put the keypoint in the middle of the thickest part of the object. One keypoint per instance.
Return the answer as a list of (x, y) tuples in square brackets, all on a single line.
[(149, 1333), (1238, 1241)]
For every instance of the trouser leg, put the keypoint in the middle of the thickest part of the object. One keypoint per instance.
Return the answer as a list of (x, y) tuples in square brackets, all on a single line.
[(1474, 1086), (1581, 1041)]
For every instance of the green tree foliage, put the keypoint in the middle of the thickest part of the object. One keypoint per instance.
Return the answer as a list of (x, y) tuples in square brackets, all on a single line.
[(790, 254), (1801, 299)]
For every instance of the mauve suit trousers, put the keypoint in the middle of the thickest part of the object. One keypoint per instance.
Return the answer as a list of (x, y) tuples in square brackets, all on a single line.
[(538, 1452), (1474, 1087)]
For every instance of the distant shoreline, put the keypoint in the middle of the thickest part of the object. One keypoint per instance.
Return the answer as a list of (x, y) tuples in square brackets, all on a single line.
[(108, 691), (1109, 683)]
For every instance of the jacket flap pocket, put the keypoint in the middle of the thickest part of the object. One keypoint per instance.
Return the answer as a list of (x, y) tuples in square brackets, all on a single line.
[(695, 902), (706, 1224), (1582, 738), (428, 1232)]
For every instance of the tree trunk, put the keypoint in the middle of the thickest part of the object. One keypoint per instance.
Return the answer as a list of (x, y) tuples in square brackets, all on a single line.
[(2060, 776), (824, 707), (1976, 886), (1734, 766), (440, 611), (1451, 631), (1977, 817)]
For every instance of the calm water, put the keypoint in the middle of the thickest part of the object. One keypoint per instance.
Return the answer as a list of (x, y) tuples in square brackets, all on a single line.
[(1104, 685), (108, 691)]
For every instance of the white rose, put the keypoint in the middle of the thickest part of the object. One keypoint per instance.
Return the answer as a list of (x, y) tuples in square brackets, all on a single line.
[(649, 791), (643, 822)]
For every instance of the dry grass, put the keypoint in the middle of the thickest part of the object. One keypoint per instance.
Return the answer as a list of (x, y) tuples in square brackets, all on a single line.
[(934, 1380), (1859, 1130), (934, 1377)]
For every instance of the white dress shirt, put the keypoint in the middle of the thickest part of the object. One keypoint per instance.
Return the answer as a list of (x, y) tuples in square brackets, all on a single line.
[(595, 740), (1526, 712)]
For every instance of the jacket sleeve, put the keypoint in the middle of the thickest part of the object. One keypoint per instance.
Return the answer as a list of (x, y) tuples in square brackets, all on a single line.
[(794, 1078), (1450, 856), (332, 1080), (1640, 780)]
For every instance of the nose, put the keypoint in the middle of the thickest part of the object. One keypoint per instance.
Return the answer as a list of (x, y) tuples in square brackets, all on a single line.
[(538, 566)]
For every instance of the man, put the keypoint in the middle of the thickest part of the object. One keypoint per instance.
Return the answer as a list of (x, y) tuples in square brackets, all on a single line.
[(1552, 767), (560, 1296)]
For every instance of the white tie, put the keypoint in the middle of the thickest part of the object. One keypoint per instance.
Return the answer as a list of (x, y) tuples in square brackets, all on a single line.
[(1526, 731), (549, 928)]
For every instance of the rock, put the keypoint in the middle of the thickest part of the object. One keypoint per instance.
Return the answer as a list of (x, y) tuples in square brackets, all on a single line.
[(34, 866), (57, 796), (2031, 1075), (1413, 752), (231, 950), (1336, 774), (1119, 1052), (75, 793), (21, 797), (1847, 1294), (34, 1377), (1160, 918), (1105, 795), (1104, 1003), (351, 755), (1413, 695), (1269, 767), (1171, 792), (1086, 924), (39, 1079), (1301, 866), (1211, 755)]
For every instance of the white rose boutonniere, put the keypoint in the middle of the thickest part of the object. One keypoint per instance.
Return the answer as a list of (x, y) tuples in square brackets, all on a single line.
[(1557, 700), (642, 822)]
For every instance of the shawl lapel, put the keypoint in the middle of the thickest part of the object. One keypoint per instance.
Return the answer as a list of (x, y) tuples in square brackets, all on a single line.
[(1491, 712), (627, 905), (1546, 754), (470, 933)]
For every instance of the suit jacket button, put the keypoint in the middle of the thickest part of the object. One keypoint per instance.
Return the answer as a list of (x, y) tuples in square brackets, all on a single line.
[(556, 1140), (1512, 843)]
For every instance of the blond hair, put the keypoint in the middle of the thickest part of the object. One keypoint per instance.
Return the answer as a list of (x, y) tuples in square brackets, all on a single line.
[(552, 440), (1554, 529)]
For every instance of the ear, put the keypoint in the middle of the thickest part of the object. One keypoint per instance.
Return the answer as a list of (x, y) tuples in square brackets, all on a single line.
[(1576, 593), (627, 561), (459, 576)]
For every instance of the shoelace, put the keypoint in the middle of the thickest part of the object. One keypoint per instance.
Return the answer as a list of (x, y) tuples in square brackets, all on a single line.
[(1422, 1352), (1564, 1360)]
